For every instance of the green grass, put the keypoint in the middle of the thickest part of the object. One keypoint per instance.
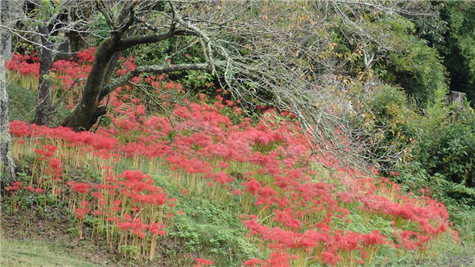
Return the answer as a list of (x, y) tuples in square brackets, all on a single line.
[(37, 253), (445, 254), (208, 228), (21, 103)]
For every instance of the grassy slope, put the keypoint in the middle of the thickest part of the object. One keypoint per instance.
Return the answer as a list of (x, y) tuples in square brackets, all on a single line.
[(35, 237), (37, 253), (207, 228), (22, 103)]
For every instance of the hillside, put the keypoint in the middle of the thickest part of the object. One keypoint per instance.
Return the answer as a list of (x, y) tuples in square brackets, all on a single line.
[(217, 189), (237, 133)]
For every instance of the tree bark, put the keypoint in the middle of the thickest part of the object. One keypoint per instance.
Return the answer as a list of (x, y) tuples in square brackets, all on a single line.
[(85, 114), (7, 165), (44, 105), (75, 41)]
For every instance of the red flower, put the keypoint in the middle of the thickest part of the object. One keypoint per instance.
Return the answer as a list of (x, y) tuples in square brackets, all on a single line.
[(201, 261), (328, 258), (82, 188)]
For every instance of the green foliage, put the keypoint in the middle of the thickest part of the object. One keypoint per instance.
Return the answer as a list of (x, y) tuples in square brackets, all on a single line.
[(449, 148), (386, 125), (200, 82), (101, 29), (177, 50), (390, 107), (401, 58), (432, 28), (209, 228), (457, 46), (151, 54), (21, 47), (436, 144), (455, 153), (417, 68)]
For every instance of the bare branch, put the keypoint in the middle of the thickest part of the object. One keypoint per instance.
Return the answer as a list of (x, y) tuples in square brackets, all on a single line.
[(141, 87)]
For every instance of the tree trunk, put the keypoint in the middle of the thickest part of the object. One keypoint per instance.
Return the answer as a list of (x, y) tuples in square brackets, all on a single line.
[(44, 105), (76, 42), (7, 165), (110, 72), (85, 114)]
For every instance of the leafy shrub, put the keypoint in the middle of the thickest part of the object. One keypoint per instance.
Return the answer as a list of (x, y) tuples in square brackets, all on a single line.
[(386, 125), (454, 154), (436, 144), (412, 64)]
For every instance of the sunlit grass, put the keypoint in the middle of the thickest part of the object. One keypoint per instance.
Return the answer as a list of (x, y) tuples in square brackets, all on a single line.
[(28, 252)]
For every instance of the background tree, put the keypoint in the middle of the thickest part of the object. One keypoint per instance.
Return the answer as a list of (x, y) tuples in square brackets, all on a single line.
[(7, 165), (47, 24), (312, 63), (458, 49), (307, 63), (317, 61), (128, 29)]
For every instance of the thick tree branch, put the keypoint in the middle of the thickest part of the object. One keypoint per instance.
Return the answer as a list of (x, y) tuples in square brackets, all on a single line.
[(126, 17), (143, 39), (153, 38), (106, 12), (156, 69)]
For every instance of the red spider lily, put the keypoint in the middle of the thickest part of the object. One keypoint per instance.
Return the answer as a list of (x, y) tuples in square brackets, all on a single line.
[(86, 55), (157, 229), (46, 151), (82, 188), (287, 218), (275, 260), (15, 186), (237, 192), (203, 262), (81, 213), (328, 258), (96, 212)]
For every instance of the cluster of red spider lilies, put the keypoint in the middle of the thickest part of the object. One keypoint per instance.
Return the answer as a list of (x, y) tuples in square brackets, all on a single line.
[(296, 210)]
